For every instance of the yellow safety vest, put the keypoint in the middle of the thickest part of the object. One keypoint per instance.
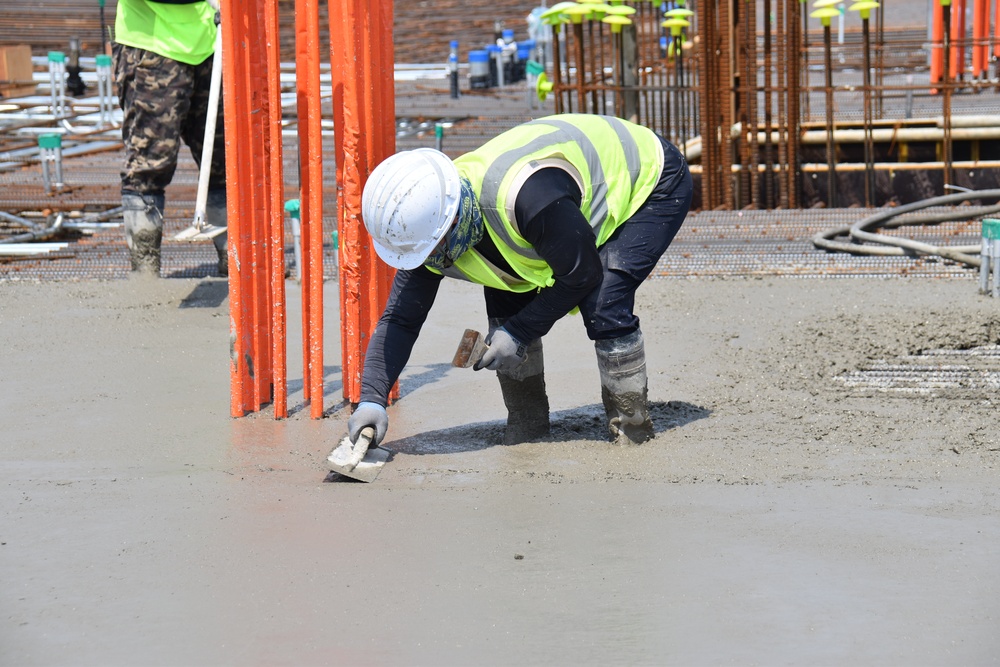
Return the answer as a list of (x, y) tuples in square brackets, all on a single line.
[(185, 33), (615, 163)]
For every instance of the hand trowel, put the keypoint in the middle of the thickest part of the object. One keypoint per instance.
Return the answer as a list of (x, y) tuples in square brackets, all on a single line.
[(470, 349), (356, 460)]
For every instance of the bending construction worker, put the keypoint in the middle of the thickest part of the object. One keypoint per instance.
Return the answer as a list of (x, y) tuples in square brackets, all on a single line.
[(163, 70), (563, 212)]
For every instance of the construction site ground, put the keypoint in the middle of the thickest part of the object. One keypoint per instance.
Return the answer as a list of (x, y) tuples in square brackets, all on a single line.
[(821, 488)]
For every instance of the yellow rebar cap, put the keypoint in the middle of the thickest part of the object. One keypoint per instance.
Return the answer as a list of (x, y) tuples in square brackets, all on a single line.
[(825, 14), (675, 25), (864, 7), (616, 21)]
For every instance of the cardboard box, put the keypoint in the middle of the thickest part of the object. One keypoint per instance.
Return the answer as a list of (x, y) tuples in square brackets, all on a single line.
[(16, 71)]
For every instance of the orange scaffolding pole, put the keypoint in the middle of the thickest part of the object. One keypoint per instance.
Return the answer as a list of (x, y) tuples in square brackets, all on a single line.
[(276, 197), (361, 58), (980, 37), (307, 66), (956, 69), (996, 30), (248, 154), (937, 37)]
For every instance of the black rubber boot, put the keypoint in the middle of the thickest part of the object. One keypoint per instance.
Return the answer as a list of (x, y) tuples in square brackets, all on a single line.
[(143, 216), (215, 214), (524, 395), (622, 363)]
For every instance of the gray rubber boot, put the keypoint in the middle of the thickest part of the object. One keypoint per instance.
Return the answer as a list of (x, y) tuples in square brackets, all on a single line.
[(524, 395), (143, 232), (215, 214), (622, 363)]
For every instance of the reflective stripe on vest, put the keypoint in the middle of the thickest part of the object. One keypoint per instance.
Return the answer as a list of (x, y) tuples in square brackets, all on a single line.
[(574, 144), (599, 188)]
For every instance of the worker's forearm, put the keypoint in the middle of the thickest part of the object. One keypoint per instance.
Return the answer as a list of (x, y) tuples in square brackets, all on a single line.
[(388, 352), (410, 300)]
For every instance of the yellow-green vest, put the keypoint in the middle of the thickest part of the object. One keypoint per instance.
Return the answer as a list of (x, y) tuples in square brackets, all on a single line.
[(615, 163), (185, 33)]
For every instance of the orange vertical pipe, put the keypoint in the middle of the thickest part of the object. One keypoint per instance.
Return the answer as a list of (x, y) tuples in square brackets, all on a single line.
[(301, 100), (255, 181), (980, 34), (345, 54), (236, 105), (384, 145), (937, 37), (996, 30), (311, 198), (254, 187), (315, 203), (377, 92), (361, 56), (957, 64), (276, 212)]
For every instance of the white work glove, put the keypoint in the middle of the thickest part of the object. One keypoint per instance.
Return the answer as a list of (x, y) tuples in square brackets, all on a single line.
[(505, 353), (368, 414)]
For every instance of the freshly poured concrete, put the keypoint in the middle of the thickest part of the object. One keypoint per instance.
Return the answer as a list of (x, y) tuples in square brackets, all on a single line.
[(779, 517)]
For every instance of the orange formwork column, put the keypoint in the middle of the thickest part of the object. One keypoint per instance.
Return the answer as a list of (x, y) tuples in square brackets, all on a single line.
[(307, 79), (996, 30), (937, 37), (249, 172), (361, 57), (956, 63), (276, 199), (980, 37)]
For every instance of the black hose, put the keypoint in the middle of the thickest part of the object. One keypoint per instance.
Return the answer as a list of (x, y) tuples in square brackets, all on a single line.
[(860, 231)]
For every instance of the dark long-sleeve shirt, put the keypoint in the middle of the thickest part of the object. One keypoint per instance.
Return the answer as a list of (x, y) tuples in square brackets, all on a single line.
[(547, 213)]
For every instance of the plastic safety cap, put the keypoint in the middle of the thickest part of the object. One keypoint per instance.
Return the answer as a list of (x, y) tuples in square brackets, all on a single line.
[(409, 203)]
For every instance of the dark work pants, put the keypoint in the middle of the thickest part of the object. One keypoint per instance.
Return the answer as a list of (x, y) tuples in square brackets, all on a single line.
[(165, 103), (628, 257)]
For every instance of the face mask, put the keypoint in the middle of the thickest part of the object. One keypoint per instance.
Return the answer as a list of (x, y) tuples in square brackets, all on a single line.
[(466, 232)]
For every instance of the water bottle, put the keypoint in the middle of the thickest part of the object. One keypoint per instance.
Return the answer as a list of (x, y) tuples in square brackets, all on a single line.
[(453, 69)]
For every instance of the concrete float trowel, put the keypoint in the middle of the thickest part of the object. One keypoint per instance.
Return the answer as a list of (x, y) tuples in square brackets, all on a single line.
[(356, 460)]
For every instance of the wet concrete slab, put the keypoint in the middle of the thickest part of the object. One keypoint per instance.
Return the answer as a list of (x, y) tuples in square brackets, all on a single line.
[(778, 517)]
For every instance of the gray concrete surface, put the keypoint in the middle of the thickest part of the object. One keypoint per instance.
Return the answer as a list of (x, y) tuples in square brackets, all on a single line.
[(782, 515)]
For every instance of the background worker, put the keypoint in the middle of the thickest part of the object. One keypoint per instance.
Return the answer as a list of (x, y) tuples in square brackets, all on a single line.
[(163, 70), (563, 212)]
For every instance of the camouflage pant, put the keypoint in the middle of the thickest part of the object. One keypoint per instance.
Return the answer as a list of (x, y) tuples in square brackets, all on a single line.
[(164, 102)]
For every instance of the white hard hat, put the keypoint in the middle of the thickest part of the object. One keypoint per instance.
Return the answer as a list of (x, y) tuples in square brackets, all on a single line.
[(409, 203)]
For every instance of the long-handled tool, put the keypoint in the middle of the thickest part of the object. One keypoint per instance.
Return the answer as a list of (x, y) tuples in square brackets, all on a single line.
[(200, 229), (356, 460), (470, 349)]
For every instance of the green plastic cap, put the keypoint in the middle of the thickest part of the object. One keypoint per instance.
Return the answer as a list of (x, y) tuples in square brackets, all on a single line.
[(50, 141), (991, 228), (293, 208), (57, 57), (534, 68), (103, 60)]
